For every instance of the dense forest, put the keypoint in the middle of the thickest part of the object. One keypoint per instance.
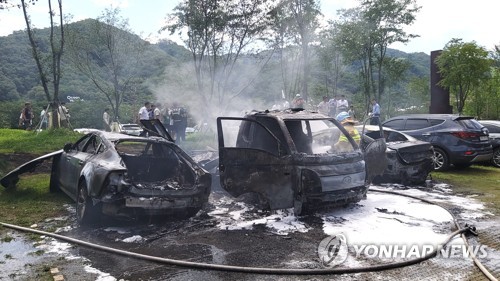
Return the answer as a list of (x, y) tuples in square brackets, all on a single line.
[(164, 75)]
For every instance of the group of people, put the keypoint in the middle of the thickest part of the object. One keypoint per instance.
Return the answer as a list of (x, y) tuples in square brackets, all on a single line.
[(27, 116), (331, 107), (336, 105), (174, 119)]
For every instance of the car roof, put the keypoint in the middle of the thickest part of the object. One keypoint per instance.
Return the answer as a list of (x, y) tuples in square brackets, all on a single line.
[(290, 114), (373, 128), (492, 122), (426, 116), (112, 136)]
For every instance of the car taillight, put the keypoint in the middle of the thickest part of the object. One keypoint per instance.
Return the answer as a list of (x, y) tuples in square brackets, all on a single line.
[(466, 135)]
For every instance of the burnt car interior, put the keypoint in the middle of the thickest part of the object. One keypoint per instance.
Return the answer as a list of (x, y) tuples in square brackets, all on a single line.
[(154, 162), (300, 132), (304, 134), (252, 135)]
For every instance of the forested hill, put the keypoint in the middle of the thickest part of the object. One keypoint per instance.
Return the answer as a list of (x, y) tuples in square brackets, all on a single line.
[(19, 78)]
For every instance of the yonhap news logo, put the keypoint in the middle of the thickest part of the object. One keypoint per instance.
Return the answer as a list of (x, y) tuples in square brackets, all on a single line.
[(334, 250)]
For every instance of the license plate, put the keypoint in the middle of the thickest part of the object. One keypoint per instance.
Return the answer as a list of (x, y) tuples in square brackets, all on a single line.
[(483, 138), (155, 203)]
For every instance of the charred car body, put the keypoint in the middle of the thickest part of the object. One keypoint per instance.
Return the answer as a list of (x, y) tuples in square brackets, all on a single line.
[(118, 174), (292, 159), (409, 160)]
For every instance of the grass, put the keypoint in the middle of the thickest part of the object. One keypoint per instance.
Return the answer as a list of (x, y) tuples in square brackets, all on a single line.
[(31, 202), (20, 141), (477, 179)]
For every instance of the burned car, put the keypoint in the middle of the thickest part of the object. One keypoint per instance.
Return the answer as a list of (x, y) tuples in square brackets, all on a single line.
[(409, 159), (123, 175), (291, 159)]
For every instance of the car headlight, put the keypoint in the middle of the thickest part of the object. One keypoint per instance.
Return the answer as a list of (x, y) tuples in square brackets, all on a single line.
[(115, 182)]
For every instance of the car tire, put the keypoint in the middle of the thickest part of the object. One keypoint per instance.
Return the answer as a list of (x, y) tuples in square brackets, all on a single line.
[(440, 160), (495, 161), (86, 212)]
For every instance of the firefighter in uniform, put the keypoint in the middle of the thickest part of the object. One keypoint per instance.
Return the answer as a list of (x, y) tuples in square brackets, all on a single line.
[(343, 143)]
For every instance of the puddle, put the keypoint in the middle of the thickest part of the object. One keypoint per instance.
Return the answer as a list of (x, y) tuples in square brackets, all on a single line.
[(15, 255)]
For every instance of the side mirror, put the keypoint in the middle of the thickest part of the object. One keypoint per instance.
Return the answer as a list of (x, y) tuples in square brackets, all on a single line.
[(67, 147)]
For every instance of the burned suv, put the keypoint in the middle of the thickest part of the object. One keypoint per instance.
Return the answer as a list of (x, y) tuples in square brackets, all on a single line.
[(295, 158)]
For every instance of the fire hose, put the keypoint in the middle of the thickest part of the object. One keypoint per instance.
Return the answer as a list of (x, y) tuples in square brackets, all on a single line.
[(277, 271)]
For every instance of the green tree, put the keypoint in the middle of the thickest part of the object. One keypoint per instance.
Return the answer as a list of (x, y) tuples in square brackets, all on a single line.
[(331, 61), (463, 67), (109, 55), (48, 59), (365, 33), (218, 33), (294, 24)]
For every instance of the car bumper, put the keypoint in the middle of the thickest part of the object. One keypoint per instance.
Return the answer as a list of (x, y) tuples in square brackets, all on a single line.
[(473, 158)]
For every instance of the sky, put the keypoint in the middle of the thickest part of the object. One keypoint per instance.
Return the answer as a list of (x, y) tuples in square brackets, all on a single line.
[(437, 23)]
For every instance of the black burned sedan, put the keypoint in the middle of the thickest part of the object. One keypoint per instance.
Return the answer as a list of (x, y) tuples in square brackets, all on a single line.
[(409, 159), (122, 175)]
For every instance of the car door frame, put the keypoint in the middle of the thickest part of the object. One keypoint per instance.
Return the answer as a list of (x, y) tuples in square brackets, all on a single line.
[(71, 164), (252, 170)]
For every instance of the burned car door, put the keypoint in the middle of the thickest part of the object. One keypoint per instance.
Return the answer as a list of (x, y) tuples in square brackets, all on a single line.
[(72, 161), (374, 153), (9, 180), (156, 128), (253, 160)]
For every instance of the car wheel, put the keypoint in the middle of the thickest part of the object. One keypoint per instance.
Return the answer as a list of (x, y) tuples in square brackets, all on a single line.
[(495, 161), (440, 160), (86, 213)]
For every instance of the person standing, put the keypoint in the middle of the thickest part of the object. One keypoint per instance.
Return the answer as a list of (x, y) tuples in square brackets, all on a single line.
[(156, 112), (26, 118), (63, 115), (352, 113), (332, 105), (375, 114), (144, 111), (298, 101), (106, 120), (179, 118), (323, 106), (342, 104)]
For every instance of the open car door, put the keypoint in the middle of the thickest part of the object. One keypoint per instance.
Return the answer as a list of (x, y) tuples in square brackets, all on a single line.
[(253, 160), (374, 151), (155, 127)]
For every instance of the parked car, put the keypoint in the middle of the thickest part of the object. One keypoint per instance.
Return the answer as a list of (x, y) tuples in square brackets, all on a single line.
[(457, 140), (409, 159), (130, 129), (123, 175), (493, 127), (289, 159)]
